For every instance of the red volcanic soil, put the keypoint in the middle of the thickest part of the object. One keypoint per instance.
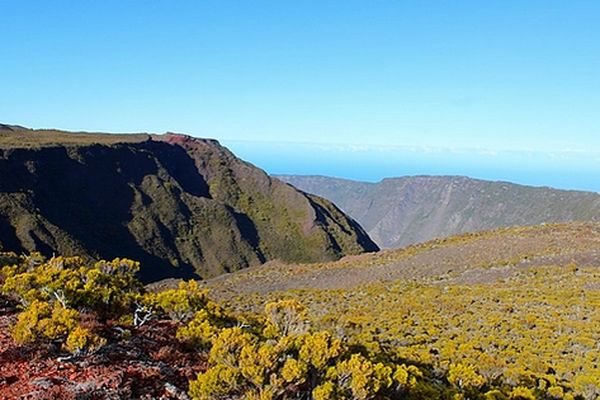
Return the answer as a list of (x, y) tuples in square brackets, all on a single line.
[(146, 363), (185, 141)]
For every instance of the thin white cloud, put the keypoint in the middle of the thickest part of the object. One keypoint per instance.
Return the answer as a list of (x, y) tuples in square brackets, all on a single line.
[(563, 154)]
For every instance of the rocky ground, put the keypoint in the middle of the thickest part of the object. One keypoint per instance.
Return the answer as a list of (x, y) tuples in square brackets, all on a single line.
[(146, 364)]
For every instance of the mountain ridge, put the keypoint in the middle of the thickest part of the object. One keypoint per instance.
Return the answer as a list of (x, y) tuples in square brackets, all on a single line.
[(183, 206), (405, 210)]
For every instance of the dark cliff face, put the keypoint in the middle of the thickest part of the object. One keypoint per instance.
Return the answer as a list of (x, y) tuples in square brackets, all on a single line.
[(400, 211), (184, 207)]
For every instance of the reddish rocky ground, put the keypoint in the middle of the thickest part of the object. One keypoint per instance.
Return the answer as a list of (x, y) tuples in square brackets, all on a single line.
[(148, 363)]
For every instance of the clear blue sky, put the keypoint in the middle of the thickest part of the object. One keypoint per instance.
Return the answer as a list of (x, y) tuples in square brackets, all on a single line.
[(493, 75)]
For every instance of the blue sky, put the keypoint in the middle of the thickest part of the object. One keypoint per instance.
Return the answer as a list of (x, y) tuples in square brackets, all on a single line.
[(517, 81), (561, 169)]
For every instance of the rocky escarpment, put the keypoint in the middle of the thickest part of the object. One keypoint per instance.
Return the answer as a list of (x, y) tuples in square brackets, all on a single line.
[(400, 211), (184, 207)]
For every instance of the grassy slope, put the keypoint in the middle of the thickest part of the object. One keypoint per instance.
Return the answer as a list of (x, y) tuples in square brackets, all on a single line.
[(18, 137), (507, 301)]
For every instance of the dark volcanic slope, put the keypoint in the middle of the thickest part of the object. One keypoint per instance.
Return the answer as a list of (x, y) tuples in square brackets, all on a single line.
[(184, 207), (401, 211)]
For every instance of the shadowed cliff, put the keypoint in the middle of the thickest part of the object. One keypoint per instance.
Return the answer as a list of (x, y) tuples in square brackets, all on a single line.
[(184, 207)]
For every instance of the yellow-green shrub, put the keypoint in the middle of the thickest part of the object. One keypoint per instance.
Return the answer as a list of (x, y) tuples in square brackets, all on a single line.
[(41, 321)]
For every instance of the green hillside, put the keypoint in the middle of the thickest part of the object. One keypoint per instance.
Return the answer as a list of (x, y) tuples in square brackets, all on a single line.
[(184, 207)]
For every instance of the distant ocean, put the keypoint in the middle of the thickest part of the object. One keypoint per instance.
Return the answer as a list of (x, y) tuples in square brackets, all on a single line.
[(564, 169)]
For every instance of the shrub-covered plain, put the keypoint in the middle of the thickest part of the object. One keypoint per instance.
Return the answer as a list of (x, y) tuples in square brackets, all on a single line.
[(528, 334)]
